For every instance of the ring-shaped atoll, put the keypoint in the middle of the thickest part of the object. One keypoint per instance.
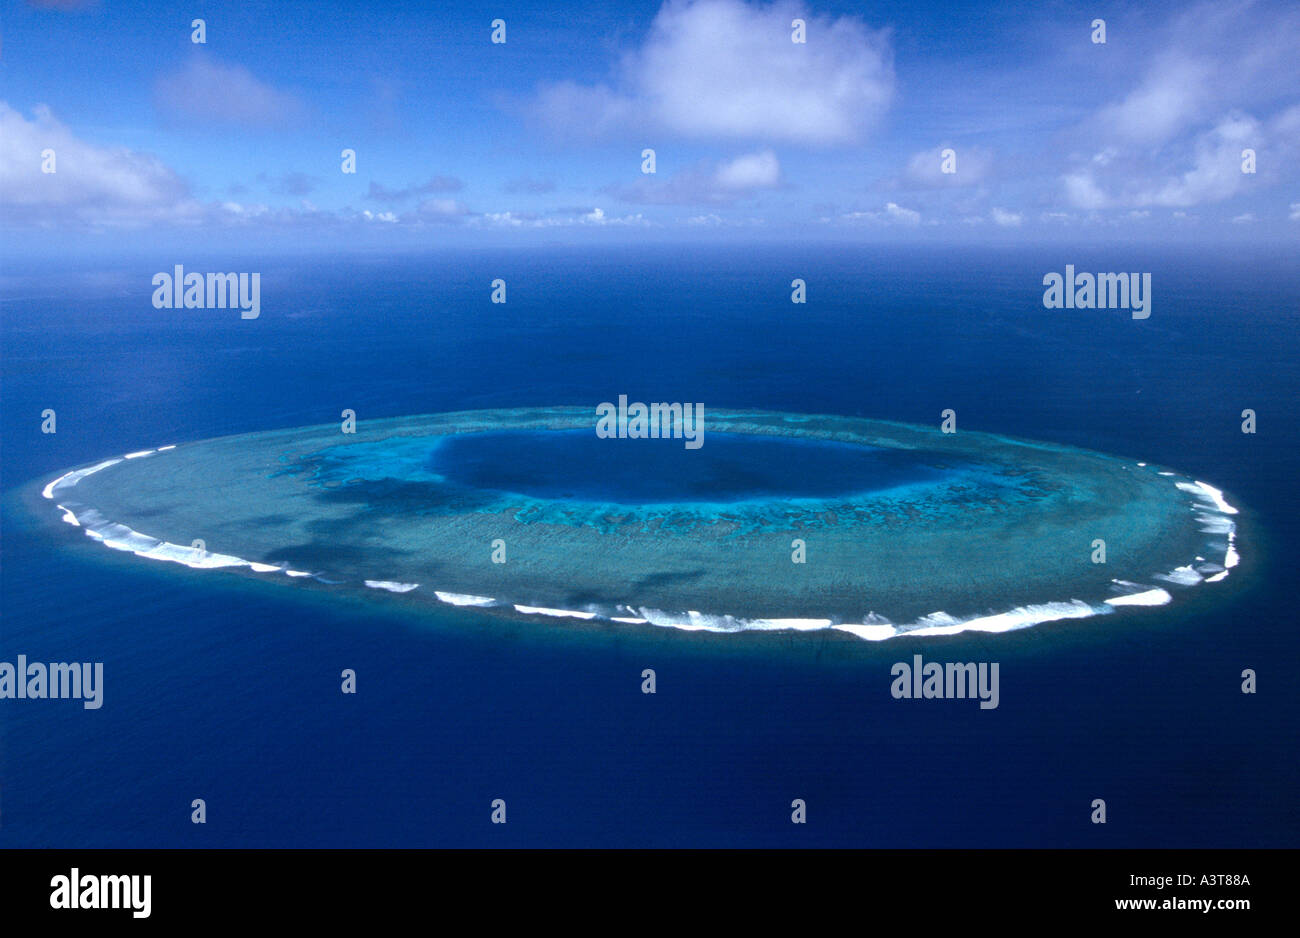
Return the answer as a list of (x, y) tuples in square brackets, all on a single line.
[(777, 521)]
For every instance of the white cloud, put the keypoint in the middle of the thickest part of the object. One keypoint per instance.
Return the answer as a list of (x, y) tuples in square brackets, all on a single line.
[(1007, 219), (728, 69), (442, 209), (91, 185), (1082, 191), (902, 215), (1175, 139), (1214, 173), (563, 219), (706, 183), (209, 92), (1165, 102), (754, 171), (893, 214), (1295, 211), (1245, 219)]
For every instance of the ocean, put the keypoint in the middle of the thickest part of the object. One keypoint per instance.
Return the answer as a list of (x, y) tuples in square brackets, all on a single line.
[(229, 691)]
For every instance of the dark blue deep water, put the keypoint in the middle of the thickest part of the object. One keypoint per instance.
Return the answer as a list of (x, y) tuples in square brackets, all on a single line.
[(228, 690), (577, 465)]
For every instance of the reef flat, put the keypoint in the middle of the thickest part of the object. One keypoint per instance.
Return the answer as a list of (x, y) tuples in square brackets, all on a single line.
[(780, 521)]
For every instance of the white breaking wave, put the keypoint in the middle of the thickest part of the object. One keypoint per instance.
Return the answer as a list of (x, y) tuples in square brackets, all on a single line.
[(871, 633), (559, 613), (1022, 617), (69, 479), (120, 537), (1214, 495), (464, 599), (1231, 558), (391, 586), (1183, 576), (1152, 597)]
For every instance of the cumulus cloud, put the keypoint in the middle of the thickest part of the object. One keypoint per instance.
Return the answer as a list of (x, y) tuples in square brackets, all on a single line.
[(1208, 167), (1007, 219), (902, 215), (706, 183), (726, 69), (892, 214), (91, 185), (753, 171), (209, 92), (1175, 139), (1167, 99), (441, 209), (560, 219)]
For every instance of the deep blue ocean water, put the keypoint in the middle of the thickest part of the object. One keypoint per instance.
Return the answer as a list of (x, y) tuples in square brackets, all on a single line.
[(222, 690), (577, 465)]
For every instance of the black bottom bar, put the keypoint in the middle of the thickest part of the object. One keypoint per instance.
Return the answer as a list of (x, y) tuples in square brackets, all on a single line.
[(335, 887)]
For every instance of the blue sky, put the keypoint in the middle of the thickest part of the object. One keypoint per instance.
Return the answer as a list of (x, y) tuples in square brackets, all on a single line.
[(237, 141)]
